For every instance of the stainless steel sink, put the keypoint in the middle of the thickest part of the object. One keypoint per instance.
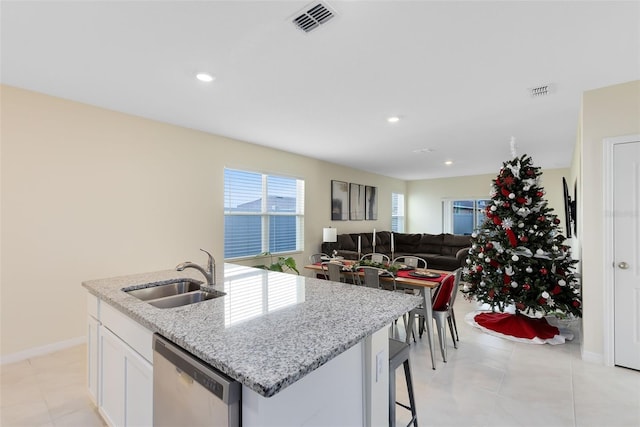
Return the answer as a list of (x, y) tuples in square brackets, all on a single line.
[(165, 290), (173, 294), (184, 299)]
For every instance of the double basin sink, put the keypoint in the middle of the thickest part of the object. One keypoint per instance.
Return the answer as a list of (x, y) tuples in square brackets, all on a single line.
[(175, 293)]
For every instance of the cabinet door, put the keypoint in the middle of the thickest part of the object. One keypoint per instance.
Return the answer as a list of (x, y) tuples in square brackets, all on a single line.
[(139, 390), (92, 357), (112, 387)]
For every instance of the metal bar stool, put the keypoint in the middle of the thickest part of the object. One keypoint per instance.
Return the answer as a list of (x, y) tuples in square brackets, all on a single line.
[(399, 355)]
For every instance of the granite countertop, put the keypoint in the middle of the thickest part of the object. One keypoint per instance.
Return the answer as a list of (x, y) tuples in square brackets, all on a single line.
[(270, 329)]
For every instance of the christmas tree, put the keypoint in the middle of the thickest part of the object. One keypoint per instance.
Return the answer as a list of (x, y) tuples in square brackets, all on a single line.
[(518, 256)]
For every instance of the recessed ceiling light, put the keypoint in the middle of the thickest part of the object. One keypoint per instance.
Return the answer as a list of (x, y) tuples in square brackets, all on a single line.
[(393, 119), (205, 77), (448, 162)]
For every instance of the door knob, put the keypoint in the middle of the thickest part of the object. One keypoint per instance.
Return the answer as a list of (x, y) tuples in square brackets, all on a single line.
[(623, 265)]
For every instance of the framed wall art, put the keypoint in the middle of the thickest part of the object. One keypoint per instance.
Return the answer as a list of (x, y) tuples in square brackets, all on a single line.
[(371, 203), (356, 202), (339, 201)]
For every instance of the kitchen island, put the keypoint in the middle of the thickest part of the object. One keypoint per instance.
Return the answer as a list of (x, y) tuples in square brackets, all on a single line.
[(306, 351)]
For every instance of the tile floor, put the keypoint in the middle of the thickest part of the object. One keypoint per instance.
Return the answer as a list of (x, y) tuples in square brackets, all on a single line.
[(487, 381)]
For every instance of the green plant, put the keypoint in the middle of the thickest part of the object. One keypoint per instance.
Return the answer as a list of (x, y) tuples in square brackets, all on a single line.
[(392, 268), (283, 264)]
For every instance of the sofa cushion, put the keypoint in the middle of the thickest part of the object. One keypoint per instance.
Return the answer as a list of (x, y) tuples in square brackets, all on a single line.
[(346, 242), (452, 244), (406, 242), (366, 241), (431, 243)]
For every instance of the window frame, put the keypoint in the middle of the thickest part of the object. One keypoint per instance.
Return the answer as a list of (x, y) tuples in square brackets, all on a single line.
[(266, 214), (448, 212), (398, 204)]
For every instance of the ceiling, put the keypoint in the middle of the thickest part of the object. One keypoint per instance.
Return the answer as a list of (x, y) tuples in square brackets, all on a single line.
[(458, 74)]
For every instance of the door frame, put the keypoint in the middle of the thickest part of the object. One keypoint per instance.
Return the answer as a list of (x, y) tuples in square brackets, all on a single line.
[(608, 272)]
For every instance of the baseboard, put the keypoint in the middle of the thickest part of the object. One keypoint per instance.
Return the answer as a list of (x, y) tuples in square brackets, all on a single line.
[(591, 357), (40, 351)]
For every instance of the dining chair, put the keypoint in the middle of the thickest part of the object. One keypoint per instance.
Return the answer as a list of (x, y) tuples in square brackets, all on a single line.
[(371, 278), (332, 271), (376, 257), (442, 307), (411, 261), (316, 258), (451, 318)]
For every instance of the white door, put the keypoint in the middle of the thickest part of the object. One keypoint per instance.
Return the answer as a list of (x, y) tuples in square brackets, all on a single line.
[(626, 223)]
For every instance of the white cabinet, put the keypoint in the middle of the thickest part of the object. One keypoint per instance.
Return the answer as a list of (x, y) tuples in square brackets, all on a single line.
[(93, 325), (138, 383), (112, 375), (120, 370), (93, 328), (126, 383)]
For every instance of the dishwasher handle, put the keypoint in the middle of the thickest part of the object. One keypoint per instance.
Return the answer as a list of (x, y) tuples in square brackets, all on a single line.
[(224, 387)]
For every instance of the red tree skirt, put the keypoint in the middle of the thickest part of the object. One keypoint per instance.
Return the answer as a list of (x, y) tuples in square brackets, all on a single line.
[(518, 327)]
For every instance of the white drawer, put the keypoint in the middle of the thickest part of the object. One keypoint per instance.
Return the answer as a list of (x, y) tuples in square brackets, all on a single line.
[(134, 334)]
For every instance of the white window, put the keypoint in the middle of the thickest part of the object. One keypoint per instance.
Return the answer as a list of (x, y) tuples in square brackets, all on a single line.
[(397, 212), (262, 213), (463, 216)]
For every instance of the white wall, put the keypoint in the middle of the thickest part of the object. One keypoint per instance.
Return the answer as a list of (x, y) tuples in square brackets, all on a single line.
[(90, 193), (606, 112), (425, 196)]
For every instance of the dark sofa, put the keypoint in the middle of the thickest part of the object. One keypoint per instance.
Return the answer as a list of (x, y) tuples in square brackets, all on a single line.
[(441, 251)]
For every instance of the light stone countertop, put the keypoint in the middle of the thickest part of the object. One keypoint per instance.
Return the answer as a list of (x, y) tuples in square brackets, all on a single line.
[(270, 329)]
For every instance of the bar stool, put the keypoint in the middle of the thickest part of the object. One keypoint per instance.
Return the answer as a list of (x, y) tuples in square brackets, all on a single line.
[(399, 355)]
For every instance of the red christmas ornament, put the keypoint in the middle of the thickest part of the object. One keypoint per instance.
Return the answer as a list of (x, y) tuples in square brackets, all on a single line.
[(539, 193), (526, 286), (541, 218), (497, 220), (506, 204), (489, 246), (506, 279), (521, 200), (529, 171), (544, 271), (512, 237), (520, 306), (508, 181), (479, 268), (494, 263), (491, 293), (542, 301), (556, 221), (505, 290), (524, 239), (576, 303), (556, 290), (505, 192)]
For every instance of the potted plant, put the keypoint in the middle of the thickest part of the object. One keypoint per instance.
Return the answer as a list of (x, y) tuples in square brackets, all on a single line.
[(283, 264)]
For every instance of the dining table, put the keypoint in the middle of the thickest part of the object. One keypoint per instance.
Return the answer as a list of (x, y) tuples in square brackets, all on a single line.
[(423, 280)]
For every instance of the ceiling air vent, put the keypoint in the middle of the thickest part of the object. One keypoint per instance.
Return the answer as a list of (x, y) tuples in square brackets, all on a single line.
[(313, 16), (542, 90)]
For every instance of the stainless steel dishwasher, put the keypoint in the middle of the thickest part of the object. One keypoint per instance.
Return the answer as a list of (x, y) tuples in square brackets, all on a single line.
[(187, 392)]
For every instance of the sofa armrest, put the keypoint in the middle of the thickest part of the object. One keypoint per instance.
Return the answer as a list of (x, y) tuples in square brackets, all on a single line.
[(461, 256)]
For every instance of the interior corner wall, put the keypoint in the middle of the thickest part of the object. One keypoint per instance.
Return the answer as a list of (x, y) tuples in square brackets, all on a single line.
[(425, 197), (89, 193), (606, 112)]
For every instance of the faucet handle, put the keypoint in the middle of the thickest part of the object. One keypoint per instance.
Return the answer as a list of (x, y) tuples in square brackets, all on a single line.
[(211, 260)]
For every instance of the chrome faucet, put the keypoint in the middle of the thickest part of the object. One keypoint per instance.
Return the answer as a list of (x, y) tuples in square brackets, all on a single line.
[(209, 273)]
